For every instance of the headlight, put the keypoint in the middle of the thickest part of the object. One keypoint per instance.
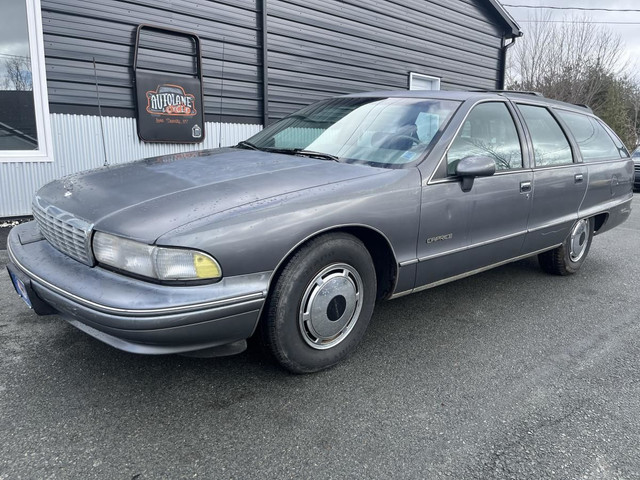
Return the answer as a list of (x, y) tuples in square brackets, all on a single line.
[(154, 262)]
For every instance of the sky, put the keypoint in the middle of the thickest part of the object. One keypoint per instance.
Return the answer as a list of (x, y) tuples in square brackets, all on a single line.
[(629, 32)]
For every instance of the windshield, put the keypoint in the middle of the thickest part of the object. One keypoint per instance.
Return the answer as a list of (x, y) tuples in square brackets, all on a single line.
[(375, 131)]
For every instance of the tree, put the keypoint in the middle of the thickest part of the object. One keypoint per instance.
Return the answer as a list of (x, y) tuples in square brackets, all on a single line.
[(579, 62), (18, 73)]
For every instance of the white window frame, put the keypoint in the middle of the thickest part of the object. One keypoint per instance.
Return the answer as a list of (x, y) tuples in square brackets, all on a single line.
[(419, 76), (40, 97)]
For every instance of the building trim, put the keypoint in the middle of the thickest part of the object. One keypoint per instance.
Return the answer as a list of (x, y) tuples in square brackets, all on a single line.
[(265, 64)]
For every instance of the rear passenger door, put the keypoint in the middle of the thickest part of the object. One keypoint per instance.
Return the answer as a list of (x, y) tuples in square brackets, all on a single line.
[(559, 179)]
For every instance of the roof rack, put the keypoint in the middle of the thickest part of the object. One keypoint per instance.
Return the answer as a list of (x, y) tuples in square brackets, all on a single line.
[(584, 106), (524, 92)]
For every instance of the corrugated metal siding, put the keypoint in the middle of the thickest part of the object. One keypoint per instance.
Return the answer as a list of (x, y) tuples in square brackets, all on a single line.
[(76, 32), (78, 146), (319, 48)]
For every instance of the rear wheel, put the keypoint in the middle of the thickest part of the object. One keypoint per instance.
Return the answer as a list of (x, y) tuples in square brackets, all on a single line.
[(321, 304), (568, 258)]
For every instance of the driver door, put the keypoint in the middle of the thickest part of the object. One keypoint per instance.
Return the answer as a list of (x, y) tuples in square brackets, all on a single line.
[(464, 232)]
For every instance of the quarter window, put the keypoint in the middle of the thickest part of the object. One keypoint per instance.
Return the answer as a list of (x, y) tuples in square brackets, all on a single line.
[(488, 131), (550, 145), (594, 142)]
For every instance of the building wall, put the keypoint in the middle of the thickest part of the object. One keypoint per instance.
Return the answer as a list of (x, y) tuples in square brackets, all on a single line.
[(316, 49), (77, 32), (319, 48)]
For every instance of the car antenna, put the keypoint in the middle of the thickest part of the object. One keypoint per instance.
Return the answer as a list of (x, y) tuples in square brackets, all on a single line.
[(104, 144), (221, 95)]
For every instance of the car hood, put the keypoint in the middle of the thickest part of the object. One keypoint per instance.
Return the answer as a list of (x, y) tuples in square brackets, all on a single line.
[(144, 199)]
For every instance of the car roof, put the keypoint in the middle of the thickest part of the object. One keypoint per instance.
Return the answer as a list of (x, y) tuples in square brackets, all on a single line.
[(461, 95)]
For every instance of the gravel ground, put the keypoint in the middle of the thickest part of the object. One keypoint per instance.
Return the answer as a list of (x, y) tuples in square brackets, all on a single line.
[(510, 374)]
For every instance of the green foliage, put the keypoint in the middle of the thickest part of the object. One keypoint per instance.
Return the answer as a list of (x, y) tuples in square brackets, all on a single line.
[(615, 109)]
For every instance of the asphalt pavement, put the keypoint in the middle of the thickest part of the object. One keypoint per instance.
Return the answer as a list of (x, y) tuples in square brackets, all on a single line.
[(510, 374)]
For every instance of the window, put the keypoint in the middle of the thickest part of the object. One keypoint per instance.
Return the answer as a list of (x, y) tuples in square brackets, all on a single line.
[(594, 142), (24, 112), (375, 131), (488, 131), (622, 149), (550, 145), (423, 82)]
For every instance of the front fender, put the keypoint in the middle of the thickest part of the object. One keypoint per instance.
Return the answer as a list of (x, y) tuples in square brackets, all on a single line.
[(258, 236)]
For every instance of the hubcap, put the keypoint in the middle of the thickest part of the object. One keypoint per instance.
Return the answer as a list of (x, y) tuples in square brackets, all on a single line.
[(578, 240), (330, 306)]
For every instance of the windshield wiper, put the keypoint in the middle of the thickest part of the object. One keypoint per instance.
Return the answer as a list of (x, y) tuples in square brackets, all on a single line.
[(311, 153), (303, 152), (245, 144)]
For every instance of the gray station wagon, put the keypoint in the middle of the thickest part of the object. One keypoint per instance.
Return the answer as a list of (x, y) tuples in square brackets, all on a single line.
[(295, 233)]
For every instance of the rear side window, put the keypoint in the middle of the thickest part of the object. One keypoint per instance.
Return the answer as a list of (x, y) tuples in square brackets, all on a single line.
[(550, 145), (594, 142), (622, 149), (488, 131)]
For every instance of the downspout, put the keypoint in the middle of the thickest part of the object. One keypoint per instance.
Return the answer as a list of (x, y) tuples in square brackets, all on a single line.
[(503, 58), (265, 66)]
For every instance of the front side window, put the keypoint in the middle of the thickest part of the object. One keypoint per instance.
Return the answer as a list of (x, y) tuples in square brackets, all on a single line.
[(374, 131), (594, 142), (23, 109), (488, 131), (550, 145)]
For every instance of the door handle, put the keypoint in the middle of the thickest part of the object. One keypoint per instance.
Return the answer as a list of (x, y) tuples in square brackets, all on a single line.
[(525, 187), (578, 178)]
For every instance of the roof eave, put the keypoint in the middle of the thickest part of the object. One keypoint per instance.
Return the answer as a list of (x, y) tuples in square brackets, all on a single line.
[(509, 20)]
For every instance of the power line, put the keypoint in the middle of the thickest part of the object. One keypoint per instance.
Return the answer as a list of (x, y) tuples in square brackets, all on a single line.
[(576, 21), (587, 9)]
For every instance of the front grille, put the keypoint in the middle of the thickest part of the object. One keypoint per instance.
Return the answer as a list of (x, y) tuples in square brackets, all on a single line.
[(66, 232)]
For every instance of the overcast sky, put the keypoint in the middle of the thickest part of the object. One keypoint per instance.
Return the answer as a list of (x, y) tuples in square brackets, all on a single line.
[(629, 33)]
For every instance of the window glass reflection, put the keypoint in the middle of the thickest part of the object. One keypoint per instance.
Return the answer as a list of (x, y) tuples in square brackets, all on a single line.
[(17, 113)]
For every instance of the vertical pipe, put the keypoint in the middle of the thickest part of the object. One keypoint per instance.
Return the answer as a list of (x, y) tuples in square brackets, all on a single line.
[(503, 59), (265, 66)]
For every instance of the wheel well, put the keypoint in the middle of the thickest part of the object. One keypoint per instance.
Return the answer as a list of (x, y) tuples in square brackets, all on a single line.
[(382, 255), (384, 260), (598, 221)]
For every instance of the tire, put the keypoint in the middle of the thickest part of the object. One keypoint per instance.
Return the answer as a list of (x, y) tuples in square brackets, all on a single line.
[(569, 257), (321, 304)]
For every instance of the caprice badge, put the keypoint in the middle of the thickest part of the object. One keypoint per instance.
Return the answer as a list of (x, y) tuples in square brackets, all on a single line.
[(447, 236)]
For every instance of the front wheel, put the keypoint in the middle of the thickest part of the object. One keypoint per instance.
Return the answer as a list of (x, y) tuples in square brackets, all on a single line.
[(321, 304), (568, 257)]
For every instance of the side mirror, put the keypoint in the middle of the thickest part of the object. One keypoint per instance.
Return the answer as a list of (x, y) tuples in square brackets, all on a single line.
[(476, 166)]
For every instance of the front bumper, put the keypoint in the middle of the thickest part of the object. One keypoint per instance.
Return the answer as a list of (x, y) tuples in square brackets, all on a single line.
[(134, 315)]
